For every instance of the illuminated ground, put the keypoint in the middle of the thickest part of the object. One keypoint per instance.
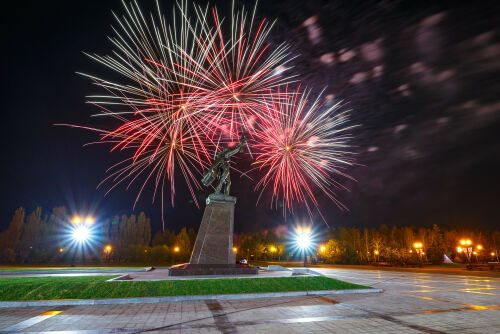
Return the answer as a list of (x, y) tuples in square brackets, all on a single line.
[(413, 302)]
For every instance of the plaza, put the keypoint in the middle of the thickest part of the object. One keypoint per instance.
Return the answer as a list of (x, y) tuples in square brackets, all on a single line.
[(412, 302)]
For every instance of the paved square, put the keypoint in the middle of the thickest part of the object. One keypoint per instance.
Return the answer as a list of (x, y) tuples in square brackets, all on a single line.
[(413, 302)]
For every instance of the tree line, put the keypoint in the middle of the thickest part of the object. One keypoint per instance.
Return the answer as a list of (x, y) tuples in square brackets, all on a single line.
[(48, 238), (346, 245), (37, 238)]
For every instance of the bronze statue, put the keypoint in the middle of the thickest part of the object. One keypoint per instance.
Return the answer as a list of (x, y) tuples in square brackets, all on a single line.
[(220, 168)]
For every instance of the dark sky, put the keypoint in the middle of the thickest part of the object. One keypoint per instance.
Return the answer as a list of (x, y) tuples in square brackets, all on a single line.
[(422, 78)]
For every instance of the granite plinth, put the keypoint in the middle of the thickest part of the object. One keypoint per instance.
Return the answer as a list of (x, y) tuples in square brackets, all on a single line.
[(212, 269), (214, 242)]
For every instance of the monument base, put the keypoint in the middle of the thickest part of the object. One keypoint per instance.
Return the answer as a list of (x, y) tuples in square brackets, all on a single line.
[(214, 242), (212, 269)]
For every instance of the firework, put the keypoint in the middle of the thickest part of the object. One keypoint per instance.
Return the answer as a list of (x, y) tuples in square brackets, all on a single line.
[(195, 82), (184, 85), (236, 74), (302, 146), (152, 105)]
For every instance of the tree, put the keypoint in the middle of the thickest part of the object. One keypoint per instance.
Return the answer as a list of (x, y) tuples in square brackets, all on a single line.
[(13, 233), (182, 241)]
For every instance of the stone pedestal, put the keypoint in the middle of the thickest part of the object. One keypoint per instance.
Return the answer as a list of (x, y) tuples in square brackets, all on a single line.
[(214, 243), (213, 250)]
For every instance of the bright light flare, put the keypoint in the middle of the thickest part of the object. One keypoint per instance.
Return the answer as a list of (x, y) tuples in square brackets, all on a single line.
[(304, 241), (81, 233)]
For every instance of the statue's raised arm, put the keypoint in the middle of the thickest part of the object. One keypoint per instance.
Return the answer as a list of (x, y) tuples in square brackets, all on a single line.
[(220, 167), (237, 148)]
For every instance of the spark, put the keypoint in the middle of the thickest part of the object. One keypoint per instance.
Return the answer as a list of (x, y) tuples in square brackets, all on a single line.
[(302, 147)]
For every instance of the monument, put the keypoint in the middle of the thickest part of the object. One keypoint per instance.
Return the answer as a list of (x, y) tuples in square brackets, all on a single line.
[(213, 250)]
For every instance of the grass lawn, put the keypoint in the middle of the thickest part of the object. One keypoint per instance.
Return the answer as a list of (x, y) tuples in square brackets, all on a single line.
[(9, 269), (42, 288)]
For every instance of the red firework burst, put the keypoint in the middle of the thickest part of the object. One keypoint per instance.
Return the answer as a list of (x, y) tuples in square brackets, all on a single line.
[(302, 147)]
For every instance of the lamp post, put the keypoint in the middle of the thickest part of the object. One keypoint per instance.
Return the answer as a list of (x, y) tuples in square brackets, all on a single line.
[(478, 252), (273, 250), (303, 240), (467, 249), (107, 250), (419, 249), (80, 234)]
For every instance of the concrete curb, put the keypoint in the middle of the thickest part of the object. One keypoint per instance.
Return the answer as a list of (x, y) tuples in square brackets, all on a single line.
[(170, 299)]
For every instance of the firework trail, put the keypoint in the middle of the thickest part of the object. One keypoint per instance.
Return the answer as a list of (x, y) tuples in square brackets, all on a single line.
[(187, 89), (238, 73), (153, 104), (301, 148)]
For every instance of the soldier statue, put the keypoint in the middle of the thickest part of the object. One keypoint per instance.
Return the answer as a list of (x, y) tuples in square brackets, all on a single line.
[(220, 168)]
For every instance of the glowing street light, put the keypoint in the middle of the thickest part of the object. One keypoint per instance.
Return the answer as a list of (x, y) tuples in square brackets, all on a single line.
[(322, 249), (273, 249), (235, 249), (468, 250), (479, 247), (61, 250), (107, 250), (177, 249), (419, 249), (303, 240), (81, 233)]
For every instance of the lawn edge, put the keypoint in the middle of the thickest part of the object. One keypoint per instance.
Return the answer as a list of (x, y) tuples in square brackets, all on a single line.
[(170, 299)]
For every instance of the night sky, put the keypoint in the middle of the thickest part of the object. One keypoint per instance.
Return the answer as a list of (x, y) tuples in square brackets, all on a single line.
[(422, 79)]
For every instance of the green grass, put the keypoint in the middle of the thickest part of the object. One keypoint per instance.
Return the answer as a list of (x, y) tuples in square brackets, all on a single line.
[(9, 269), (43, 288)]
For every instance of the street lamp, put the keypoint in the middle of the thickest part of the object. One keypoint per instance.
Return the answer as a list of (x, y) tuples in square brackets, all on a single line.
[(107, 249), (467, 249), (303, 240), (176, 249), (81, 233), (419, 249)]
